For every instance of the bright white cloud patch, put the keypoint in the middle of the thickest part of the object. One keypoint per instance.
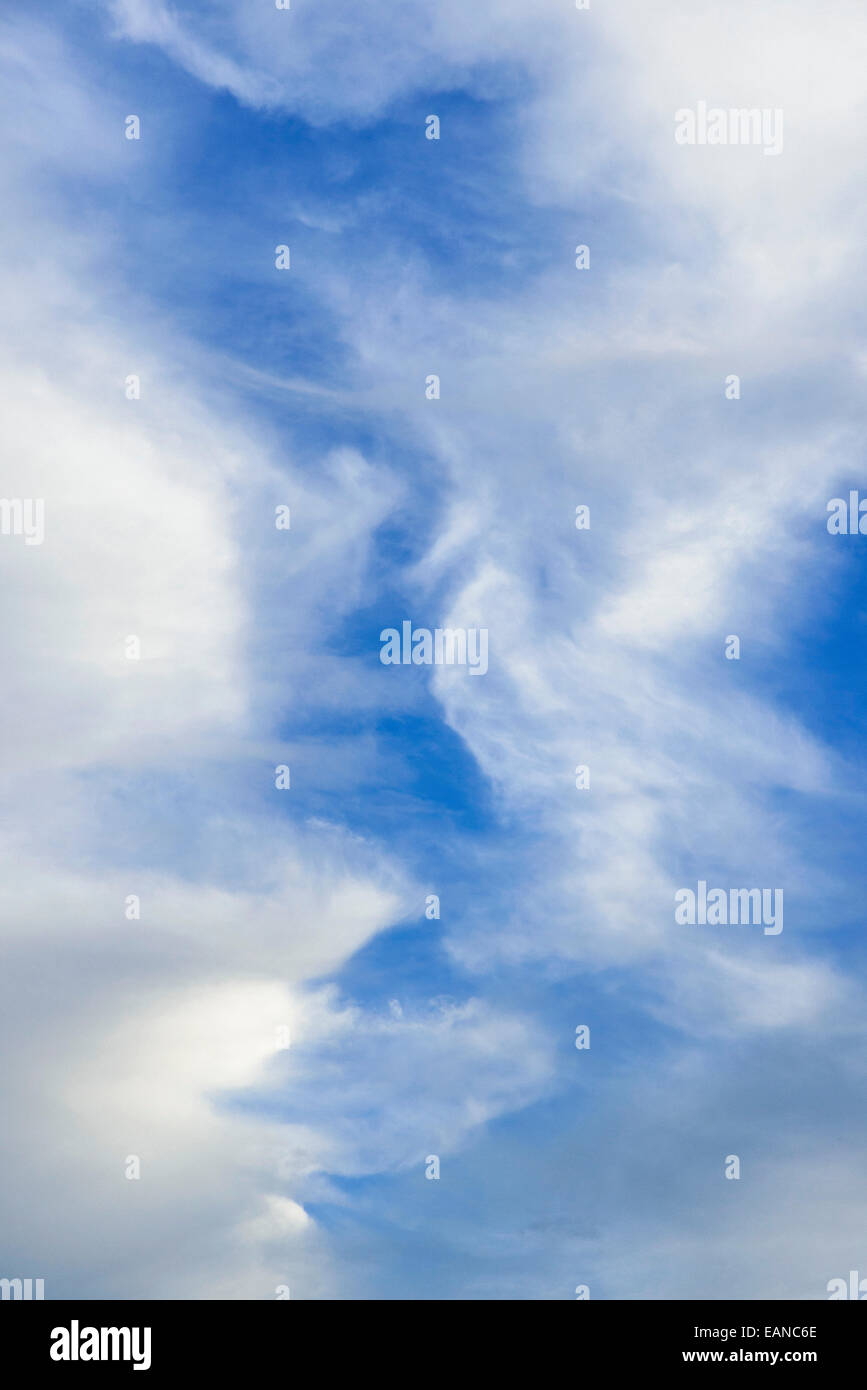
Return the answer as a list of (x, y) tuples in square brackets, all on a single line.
[(206, 1036)]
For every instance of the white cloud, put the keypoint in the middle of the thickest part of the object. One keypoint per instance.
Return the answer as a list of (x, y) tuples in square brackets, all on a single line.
[(595, 656)]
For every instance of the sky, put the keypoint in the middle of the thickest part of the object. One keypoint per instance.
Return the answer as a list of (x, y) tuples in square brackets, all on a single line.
[(239, 1091)]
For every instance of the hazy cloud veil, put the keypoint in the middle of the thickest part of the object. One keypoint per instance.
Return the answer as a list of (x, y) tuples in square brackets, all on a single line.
[(284, 994)]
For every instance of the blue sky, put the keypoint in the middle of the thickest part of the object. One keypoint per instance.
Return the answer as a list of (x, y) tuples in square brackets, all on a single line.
[(261, 1165)]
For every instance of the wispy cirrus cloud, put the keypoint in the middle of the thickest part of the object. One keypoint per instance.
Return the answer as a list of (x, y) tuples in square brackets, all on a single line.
[(303, 910)]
